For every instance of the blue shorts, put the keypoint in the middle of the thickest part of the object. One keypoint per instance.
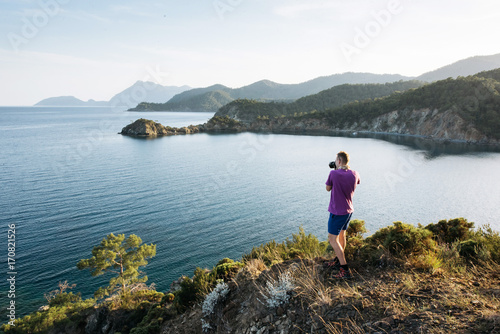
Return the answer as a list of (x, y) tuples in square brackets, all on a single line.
[(338, 223)]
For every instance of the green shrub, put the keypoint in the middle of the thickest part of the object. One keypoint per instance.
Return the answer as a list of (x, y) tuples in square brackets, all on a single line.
[(356, 228), (450, 255), (226, 269), (428, 261), (193, 289), (64, 316), (353, 248), (152, 321), (451, 230), (65, 298), (133, 300), (403, 239), (270, 253), (490, 241), (469, 249), (301, 245), (167, 299), (304, 246)]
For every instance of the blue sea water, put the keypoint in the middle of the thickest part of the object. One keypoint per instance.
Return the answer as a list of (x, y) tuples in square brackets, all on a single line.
[(68, 179)]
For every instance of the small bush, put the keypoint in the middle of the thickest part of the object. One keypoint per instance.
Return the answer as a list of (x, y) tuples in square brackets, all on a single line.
[(490, 241), (304, 246), (356, 228), (64, 317), (403, 239), (65, 298), (301, 246), (457, 229), (167, 299), (227, 269), (451, 257), (193, 289), (469, 249), (428, 261), (353, 248), (132, 300), (151, 322), (271, 253)]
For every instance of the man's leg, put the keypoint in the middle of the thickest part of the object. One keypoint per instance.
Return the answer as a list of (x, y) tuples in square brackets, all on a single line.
[(337, 246), (342, 239)]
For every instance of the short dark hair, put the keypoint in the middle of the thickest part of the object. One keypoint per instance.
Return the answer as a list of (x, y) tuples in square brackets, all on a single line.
[(343, 156)]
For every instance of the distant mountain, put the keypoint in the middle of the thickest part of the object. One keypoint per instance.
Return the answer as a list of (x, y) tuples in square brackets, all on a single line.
[(138, 92), (154, 97), (69, 101), (264, 90), (465, 67), (145, 91)]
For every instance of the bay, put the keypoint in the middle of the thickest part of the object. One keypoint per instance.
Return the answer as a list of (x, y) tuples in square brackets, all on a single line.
[(68, 179)]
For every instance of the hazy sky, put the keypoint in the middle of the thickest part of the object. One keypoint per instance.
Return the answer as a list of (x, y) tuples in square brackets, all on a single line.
[(94, 49)]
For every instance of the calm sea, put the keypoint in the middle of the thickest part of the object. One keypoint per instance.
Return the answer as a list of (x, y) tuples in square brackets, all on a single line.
[(68, 179)]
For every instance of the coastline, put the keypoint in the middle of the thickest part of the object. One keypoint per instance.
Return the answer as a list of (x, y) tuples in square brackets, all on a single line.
[(143, 128)]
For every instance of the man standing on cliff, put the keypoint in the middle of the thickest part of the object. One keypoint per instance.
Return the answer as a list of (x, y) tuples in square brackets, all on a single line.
[(341, 183)]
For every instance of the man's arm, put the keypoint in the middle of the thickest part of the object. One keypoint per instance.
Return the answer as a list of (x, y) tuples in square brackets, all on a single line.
[(328, 188)]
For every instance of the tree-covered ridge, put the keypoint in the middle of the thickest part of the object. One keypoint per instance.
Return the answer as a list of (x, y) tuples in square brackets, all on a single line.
[(337, 96), (343, 94), (475, 98), (263, 90)]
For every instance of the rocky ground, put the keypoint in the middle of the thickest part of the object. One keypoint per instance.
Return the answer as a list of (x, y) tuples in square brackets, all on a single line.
[(375, 300)]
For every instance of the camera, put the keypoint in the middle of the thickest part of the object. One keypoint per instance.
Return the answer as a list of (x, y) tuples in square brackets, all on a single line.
[(332, 165)]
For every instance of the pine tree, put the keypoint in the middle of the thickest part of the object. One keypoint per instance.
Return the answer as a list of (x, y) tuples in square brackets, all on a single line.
[(121, 256)]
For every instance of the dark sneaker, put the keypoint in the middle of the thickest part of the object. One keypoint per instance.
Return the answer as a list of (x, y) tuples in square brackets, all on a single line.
[(333, 264), (342, 274)]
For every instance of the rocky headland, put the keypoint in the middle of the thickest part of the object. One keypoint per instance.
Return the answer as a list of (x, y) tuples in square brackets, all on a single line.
[(446, 126), (148, 128)]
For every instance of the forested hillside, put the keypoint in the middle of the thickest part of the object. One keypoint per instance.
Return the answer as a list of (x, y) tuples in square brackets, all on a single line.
[(213, 97), (476, 99), (249, 110), (207, 101)]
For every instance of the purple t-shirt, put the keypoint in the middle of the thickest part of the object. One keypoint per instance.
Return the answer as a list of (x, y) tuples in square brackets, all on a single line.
[(343, 183)]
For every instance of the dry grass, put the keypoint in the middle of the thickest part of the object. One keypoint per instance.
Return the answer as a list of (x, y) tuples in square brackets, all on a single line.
[(311, 287), (339, 328), (406, 299), (255, 267)]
